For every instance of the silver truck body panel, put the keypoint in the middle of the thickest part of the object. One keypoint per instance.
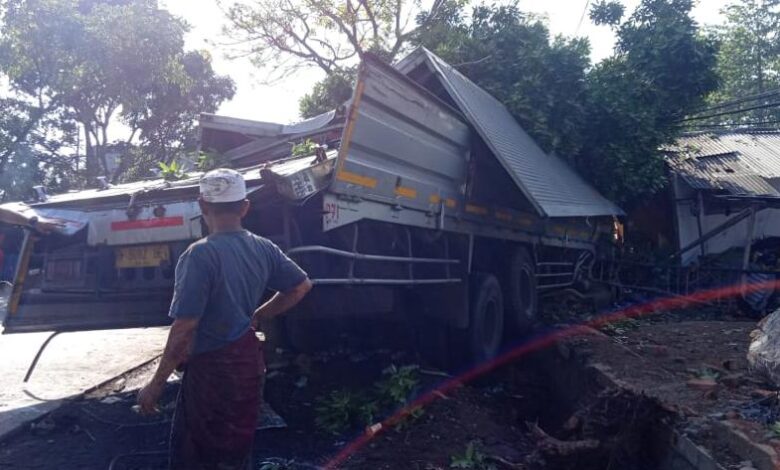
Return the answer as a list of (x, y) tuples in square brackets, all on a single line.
[(552, 187), (401, 145)]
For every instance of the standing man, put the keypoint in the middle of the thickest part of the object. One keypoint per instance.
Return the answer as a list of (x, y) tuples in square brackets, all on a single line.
[(220, 280)]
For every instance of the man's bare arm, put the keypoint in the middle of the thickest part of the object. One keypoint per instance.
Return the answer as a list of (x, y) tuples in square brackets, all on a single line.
[(177, 349), (281, 302)]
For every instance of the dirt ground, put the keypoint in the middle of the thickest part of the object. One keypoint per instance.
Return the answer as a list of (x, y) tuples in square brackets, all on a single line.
[(101, 430), (678, 372)]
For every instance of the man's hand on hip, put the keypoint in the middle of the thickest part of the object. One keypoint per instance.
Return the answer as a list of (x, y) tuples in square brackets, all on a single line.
[(281, 302)]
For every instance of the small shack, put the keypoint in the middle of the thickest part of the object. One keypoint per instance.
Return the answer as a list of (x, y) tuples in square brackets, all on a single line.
[(726, 194)]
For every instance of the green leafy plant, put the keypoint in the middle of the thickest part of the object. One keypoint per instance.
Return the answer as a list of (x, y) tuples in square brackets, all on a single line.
[(342, 409), (471, 459), (399, 383), (367, 412), (209, 160), (335, 412), (302, 149), (172, 171), (774, 428), (409, 419)]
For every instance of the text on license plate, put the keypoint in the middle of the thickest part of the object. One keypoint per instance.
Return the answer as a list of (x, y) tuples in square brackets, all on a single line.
[(142, 256)]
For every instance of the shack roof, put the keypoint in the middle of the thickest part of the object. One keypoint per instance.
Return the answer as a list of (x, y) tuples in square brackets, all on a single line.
[(736, 163), (551, 185)]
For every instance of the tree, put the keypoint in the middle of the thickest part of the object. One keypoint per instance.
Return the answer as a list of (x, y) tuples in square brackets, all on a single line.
[(510, 54), (328, 94), (36, 159), (166, 118), (33, 67), (749, 58), (282, 36), (609, 120), (662, 69), (100, 62)]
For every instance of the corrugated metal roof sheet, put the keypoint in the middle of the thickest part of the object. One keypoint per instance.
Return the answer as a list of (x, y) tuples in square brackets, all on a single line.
[(736, 162), (252, 175), (554, 188)]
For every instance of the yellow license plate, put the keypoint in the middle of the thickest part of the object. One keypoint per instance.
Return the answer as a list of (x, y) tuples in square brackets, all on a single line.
[(142, 256)]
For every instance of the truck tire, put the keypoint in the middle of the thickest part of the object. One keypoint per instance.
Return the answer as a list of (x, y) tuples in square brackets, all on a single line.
[(486, 317), (521, 292)]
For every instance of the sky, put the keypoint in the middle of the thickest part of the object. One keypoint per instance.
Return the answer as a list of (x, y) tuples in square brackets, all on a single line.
[(278, 102)]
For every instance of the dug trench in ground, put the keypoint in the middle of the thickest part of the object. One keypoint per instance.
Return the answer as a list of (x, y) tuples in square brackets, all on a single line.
[(562, 407)]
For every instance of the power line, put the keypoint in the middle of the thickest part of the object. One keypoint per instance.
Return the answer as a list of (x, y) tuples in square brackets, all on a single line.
[(767, 94), (734, 125), (582, 17), (736, 111)]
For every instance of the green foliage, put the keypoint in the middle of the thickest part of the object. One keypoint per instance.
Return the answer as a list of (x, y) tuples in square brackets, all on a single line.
[(337, 412), (509, 53), (281, 36), (607, 12), (774, 428), (207, 161), (303, 149), (398, 384), (367, 412), (662, 68), (342, 409), (328, 94), (166, 118), (471, 459), (172, 171), (608, 120), (30, 145), (408, 419), (92, 63), (749, 58)]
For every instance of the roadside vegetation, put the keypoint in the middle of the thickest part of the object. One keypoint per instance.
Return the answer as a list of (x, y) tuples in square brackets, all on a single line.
[(343, 410)]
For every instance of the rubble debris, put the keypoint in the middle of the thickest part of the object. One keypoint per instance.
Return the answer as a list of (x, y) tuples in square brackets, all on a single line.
[(551, 446), (764, 350), (704, 384)]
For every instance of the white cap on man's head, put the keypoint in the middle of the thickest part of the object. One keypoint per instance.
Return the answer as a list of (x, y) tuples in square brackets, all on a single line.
[(222, 185)]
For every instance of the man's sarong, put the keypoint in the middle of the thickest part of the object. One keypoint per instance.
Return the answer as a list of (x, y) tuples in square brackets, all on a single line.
[(216, 411)]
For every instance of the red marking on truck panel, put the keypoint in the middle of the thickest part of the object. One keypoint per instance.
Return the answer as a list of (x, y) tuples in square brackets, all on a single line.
[(157, 222)]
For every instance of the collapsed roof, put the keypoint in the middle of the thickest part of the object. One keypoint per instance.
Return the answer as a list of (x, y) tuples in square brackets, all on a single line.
[(732, 163), (552, 187)]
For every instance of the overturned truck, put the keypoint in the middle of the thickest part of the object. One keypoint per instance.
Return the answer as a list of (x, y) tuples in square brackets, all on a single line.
[(423, 198)]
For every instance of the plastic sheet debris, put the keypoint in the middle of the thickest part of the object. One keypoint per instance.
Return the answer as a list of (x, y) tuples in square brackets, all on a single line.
[(764, 350)]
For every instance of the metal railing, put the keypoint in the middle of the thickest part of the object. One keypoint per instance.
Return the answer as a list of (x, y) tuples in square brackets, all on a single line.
[(354, 256)]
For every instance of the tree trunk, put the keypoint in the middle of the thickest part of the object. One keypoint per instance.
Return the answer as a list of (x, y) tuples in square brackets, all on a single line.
[(90, 155)]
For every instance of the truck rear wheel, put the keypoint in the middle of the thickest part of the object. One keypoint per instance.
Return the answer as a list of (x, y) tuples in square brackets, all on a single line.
[(521, 292), (486, 317)]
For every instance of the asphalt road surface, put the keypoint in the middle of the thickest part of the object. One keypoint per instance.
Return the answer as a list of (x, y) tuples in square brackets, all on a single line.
[(72, 363)]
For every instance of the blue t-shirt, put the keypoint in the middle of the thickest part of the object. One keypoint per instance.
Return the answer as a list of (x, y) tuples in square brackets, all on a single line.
[(221, 279)]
